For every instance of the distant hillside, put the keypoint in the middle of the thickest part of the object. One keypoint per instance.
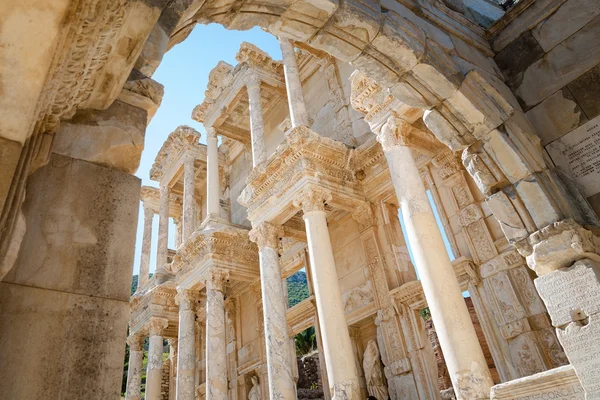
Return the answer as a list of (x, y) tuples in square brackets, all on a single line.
[(297, 288)]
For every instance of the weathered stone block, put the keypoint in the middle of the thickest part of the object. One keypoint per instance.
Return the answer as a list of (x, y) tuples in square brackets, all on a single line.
[(567, 61), (556, 115), (559, 384), (85, 219), (60, 345), (505, 212), (568, 19), (538, 201), (585, 90), (10, 151), (506, 155), (571, 294), (113, 138), (519, 55)]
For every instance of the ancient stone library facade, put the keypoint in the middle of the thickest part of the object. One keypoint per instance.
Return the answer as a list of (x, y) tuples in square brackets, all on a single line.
[(387, 126)]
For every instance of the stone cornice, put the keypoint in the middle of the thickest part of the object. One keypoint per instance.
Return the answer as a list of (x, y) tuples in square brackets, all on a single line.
[(257, 58), (181, 138), (150, 196)]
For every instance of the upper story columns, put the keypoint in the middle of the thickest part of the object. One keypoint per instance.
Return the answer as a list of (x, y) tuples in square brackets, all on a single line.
[(189, 175), (163, 228), (293, 84), (146, 247), (212, 172), (257, 126)]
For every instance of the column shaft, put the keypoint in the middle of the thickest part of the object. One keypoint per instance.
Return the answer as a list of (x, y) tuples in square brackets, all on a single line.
[(257, 126), (146, 248), (155, 354), (463, 355), (186, 348), (134, 372), (212, 172), (280, 372), (189, 176), (163, 229), (216, 352), (293, 84)]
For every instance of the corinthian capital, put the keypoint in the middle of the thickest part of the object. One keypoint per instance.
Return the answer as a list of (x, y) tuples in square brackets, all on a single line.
[(187, 299), (253, 80), (266, 235), (312, 199), (135, 342), (216, 280), (157, 326), (394, 133)]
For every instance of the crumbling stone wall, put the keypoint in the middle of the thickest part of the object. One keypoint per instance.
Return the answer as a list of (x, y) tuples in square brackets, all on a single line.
[(166, 379), (309, 384)]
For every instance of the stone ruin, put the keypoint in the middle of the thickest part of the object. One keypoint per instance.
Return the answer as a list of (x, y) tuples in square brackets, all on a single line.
[(386, 126)]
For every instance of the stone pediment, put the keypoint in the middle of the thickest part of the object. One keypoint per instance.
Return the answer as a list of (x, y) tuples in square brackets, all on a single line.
[(181, 138), (303, 157)]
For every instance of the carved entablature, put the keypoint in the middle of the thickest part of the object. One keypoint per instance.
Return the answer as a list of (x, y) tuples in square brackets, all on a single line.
[(157, 302), (170, 156), (301, 316), (150, 196), (255, 57), (227, 248), (303, 159)]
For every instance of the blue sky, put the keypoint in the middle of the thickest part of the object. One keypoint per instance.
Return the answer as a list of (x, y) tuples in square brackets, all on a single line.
[(184, 73)]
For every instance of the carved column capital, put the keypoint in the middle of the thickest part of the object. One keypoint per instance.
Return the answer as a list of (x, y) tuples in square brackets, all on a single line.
[(157, 326), (253, 80), (187, 299), (266, 235), (210, 132), (394, 133), (148, 213), (364, 216), (216, 280), (164, 191), (135, 342), (312, 199)]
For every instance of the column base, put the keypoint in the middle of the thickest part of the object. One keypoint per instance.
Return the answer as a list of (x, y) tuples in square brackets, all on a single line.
[(347, 390), (213, 221)]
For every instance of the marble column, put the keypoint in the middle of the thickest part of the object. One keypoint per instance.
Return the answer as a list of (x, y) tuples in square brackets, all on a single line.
[(212, 172), (216, 351), (257, 125), (280, 371), (339, 357), (163, 229), (134, 372), (146, 248), (189, 176), (186, 346), (464, 358), (293, 85), (155, 354)]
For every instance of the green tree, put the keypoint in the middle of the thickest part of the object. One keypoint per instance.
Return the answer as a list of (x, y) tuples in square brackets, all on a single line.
[(306, 341)]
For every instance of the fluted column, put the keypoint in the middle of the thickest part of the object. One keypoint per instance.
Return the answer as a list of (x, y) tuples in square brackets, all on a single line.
[(464, 358), (212, 172), (163, 229), (257, 125), (155, 354), (146, 248), (216, 351), (339, 357), (134, 372), (186, 346), (189, 176), (293, 84), (281, 379)]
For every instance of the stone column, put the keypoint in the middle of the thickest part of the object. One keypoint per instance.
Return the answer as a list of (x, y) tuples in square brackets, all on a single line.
[(257, 126), (216, 351), (466, 363), (163, 229), (339, 358), (146, 247), (186, 348), (293, 85), (212, 172), (281, 379), (189, 176), (134, 373), (155, 353)]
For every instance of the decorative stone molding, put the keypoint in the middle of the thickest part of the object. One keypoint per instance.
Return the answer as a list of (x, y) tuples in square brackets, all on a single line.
[(364, 216), (483, 169), (255, 57), (559, 245), (217, 280), (156, 326), (266, 235), (181, 138), (398, 132), (135, 342), (312, 199)]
